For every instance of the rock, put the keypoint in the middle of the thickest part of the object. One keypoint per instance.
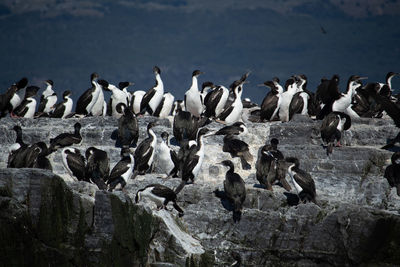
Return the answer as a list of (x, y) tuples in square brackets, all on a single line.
[(51, 219)]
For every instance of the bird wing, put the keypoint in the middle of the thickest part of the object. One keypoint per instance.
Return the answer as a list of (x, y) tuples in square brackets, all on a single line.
[(296, 105), (232, 129), (146, 99), (76, 163), (211, 101), (164, 191), (143, 152), (42, 104), (65, 139), (305, 180), (329, 126), (84, 100), (391, 108), (119, 169), (22, 108), (225, 113), (58, 110)]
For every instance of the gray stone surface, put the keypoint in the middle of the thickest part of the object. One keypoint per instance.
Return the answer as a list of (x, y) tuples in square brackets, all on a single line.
[(356, 223)]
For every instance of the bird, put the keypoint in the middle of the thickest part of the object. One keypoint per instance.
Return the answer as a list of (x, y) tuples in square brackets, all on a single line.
[(392, 172), (39, 156), (136, 100), (5, 100), (235, 190), (153, 96), (48, 98), (19, 94), (185, 125), (97, 167), (161, 195), (302, 181), (128, 127), (238, 128), (124, 88), (167, 158), (215, 101), (27, 107), (122, 171), (88, 99), (301, 101), (191, 160), (193, 101), (74, 163), (386, 88), (67, 139), (17, 151), (144, 153), (165, 107), (233, 112), (63, 109), (117, 96), (177, 103), (332, 127), (205, 90), (286, 98), (238, 148), (270, 103), (269, 167)]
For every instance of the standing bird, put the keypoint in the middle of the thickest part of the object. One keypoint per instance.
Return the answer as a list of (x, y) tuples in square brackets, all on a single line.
[(286, 98), (302, 181), (27, 107), (122, 171), (177, 104), (190, 163), (48, 98), (74, 163), (215, 101), (67, 139), (19, 94), (136, 100), (89, 98), (5, 100), (117, 96), (301, 101), (153, 97), (128, 127), (332, 127), (17, 151), (161, 195), (97, 167), (205, 90), (167, 158), (392, 172), (386, 88), (233, 112), (165, 107), (238, 128), (269, 167), (144, 153), (235, 190), (271, 101), (193, 101), (238, 148), (41, 161), (185, 125), (63, 109)]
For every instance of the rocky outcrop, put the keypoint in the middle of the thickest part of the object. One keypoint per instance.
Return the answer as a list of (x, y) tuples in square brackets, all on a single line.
[(46, 218)]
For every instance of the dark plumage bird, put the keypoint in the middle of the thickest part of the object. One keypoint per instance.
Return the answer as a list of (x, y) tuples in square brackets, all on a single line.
[(237, 128), (89, 98), (327, 92), (97, 167), (27, 107), (332, 127), (48, 98), (17, 151), (302, 101), (5, 100), (185, 125), (144, 153), (238, 148), (270, 102), (18, 96), (66, 139), (270, 166), (392, 172), (64, 108), (215, 101), (302, 181), (235, 190), (128, 127), (161, 195), (40, 154), (122, 171), (75, 163), (153, 96)]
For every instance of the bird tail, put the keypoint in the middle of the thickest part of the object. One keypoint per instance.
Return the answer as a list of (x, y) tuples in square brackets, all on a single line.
[(237, 215), (180, 187)]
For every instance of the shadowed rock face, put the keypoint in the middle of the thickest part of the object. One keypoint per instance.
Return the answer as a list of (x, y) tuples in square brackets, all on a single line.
[(48, 219)]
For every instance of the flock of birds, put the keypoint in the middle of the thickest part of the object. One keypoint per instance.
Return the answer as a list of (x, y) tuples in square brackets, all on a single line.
[(190, 117)]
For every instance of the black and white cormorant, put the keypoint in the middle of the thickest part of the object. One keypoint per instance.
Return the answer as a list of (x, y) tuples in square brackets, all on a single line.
[(301, 100), (167, 158), (164, 109), (67, 139), (5, 100), (159, 194), (117, 96), (48, 98), (122, 171), (392, 172), (40, 160), (238, 148), (206, 88), (63, 109), (27, 107), (19, 94), (97, 167), (88, 99), (178, 104), (193, 101), (215, 101), (238, 128), (136, 100), (144, 153), (272, 100), (17, 151), (74, 163), (270, 166), (185, 125), (286, 98), (235, 190), (332, 127), (153, 96), (128, 127), (302, 181)]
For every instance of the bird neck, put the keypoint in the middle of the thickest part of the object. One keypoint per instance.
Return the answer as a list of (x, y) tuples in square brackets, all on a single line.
[(159, 82), (151, 133), (48, 91), (194, 86), (389, 82), (19, 138)]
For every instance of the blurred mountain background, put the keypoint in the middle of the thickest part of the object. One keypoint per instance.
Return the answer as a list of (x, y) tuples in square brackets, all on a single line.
[(67, 40)]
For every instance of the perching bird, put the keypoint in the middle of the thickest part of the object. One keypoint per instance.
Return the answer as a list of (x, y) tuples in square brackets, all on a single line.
[(97, 167), (161, 195), (63, 109), (144, 153), (238, 148), (392, 172), (17, 151), (270, 166), (235, 190), (153, 96), (48, 98), (128, 127), (88, 99), (302, 181), (185, 125), (118, 96), (67, 139), (27, 107), (238, 128), (122, 171), (167, 158), (75, 163), (193, 101), (332, 127), (271, 101)]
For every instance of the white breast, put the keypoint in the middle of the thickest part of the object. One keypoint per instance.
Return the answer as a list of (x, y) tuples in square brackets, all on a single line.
[(31, 108), (236, 112), (164, 160), (51, 101), (193, 102), (137, 100), (68, 108), (221, 104), (167, 106)]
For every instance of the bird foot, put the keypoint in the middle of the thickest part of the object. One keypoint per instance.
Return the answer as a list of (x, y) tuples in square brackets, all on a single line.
[(338, 144)]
